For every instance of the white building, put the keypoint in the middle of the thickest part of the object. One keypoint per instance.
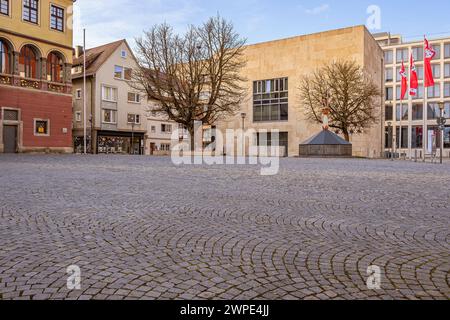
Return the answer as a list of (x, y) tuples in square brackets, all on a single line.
[(414, 120), (159, 133), (115, 111)]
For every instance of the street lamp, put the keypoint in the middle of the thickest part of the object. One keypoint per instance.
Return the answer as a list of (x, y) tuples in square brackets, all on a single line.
[(441, 122), (243, 116), (390, 140), (132, 137)]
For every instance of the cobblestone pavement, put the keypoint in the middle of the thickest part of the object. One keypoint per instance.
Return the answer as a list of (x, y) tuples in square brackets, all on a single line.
[(141, 228)]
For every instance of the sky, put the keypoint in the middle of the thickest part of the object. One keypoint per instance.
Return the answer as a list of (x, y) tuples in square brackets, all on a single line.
[(259, 20)]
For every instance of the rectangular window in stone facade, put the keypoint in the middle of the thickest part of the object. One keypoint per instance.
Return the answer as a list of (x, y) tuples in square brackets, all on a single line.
[(389, 75), (402, 55), (388, 113), (447, 89), (4, 7), (447, 50), (416, 137), (434, 92), (402, 136), (109, 116), (417, 53), (389, 93), (41, 127), (388, 57), (56, 18), (447, 70), (417, 111), (30, 11), (433, 111), (270, 100)]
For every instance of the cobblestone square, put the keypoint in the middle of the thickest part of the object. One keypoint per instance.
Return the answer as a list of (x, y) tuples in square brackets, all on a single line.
[(141, 228)]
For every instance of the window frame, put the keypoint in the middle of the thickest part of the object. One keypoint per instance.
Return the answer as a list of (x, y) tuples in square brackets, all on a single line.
[(391, 71), (137, 97), (53, 68), (78, 93), (30, 63), (447, 50), (63, 18), (8, 7), (166, 126), (113, 115), (435, 91), (5, 63), (271, 100), (386, 53), (37, 134), (447, 89), (136, 116), (78, 116), (113, 89), (116, 72), (30, 9), (403, 57)]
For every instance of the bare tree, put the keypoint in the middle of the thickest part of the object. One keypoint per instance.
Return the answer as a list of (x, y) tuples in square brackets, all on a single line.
[(195, 76), (346, 91)]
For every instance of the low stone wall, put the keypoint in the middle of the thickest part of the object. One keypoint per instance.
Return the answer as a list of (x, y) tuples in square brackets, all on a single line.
[(326, 151)]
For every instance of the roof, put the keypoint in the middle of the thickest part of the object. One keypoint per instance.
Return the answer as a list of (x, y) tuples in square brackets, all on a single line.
[(95, 57), (326, 137)]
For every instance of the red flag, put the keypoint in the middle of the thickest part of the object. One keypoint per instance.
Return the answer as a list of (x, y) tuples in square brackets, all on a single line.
[(404, 81), (413, 80), (430, 53)]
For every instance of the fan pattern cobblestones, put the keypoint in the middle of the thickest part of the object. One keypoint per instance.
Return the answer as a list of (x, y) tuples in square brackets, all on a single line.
[(141, 228)]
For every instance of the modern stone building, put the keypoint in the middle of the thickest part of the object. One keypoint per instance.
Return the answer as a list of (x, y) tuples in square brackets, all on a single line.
[(274, 70), (116, 112), (413, 120), (35, 81)]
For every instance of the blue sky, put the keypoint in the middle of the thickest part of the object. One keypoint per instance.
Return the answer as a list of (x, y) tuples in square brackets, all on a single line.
[(257, 20)]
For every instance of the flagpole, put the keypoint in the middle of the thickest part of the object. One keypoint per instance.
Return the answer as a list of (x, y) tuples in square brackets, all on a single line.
[(425, 108), (84, 93)]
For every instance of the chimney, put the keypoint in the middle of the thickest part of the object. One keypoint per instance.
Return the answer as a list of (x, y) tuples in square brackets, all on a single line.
[(78, 51)]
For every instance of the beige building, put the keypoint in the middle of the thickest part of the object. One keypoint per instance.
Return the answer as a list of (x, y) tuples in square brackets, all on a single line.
[(274, 70), (116, 113), (414, 131), (159, 133)]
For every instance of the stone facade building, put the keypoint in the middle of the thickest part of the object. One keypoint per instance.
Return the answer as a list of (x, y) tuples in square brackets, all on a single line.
[(274, 70), (414, 130), (35, 80)]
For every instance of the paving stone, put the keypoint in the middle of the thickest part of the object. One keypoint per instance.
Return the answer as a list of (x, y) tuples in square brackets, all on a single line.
[(142, 228)]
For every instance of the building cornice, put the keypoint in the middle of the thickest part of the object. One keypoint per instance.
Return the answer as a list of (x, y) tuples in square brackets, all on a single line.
[(18, 34)]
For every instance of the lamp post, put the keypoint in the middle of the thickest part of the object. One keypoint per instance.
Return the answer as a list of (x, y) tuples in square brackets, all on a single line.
[(390, 140), (243, 116), (441, 122), (132, 137)]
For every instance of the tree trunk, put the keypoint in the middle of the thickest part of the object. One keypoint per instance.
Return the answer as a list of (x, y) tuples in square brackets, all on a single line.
[(346, 135), (192, 138)]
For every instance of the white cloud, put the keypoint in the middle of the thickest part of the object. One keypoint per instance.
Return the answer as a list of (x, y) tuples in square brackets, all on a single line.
[(318, 10)]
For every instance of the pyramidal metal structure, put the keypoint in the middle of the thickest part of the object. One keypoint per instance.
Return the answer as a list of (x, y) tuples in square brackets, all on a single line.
[(326, 138), (326, 144)]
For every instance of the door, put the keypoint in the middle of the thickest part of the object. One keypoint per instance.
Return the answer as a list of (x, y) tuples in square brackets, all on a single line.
[(152, 148), (10, 139)]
